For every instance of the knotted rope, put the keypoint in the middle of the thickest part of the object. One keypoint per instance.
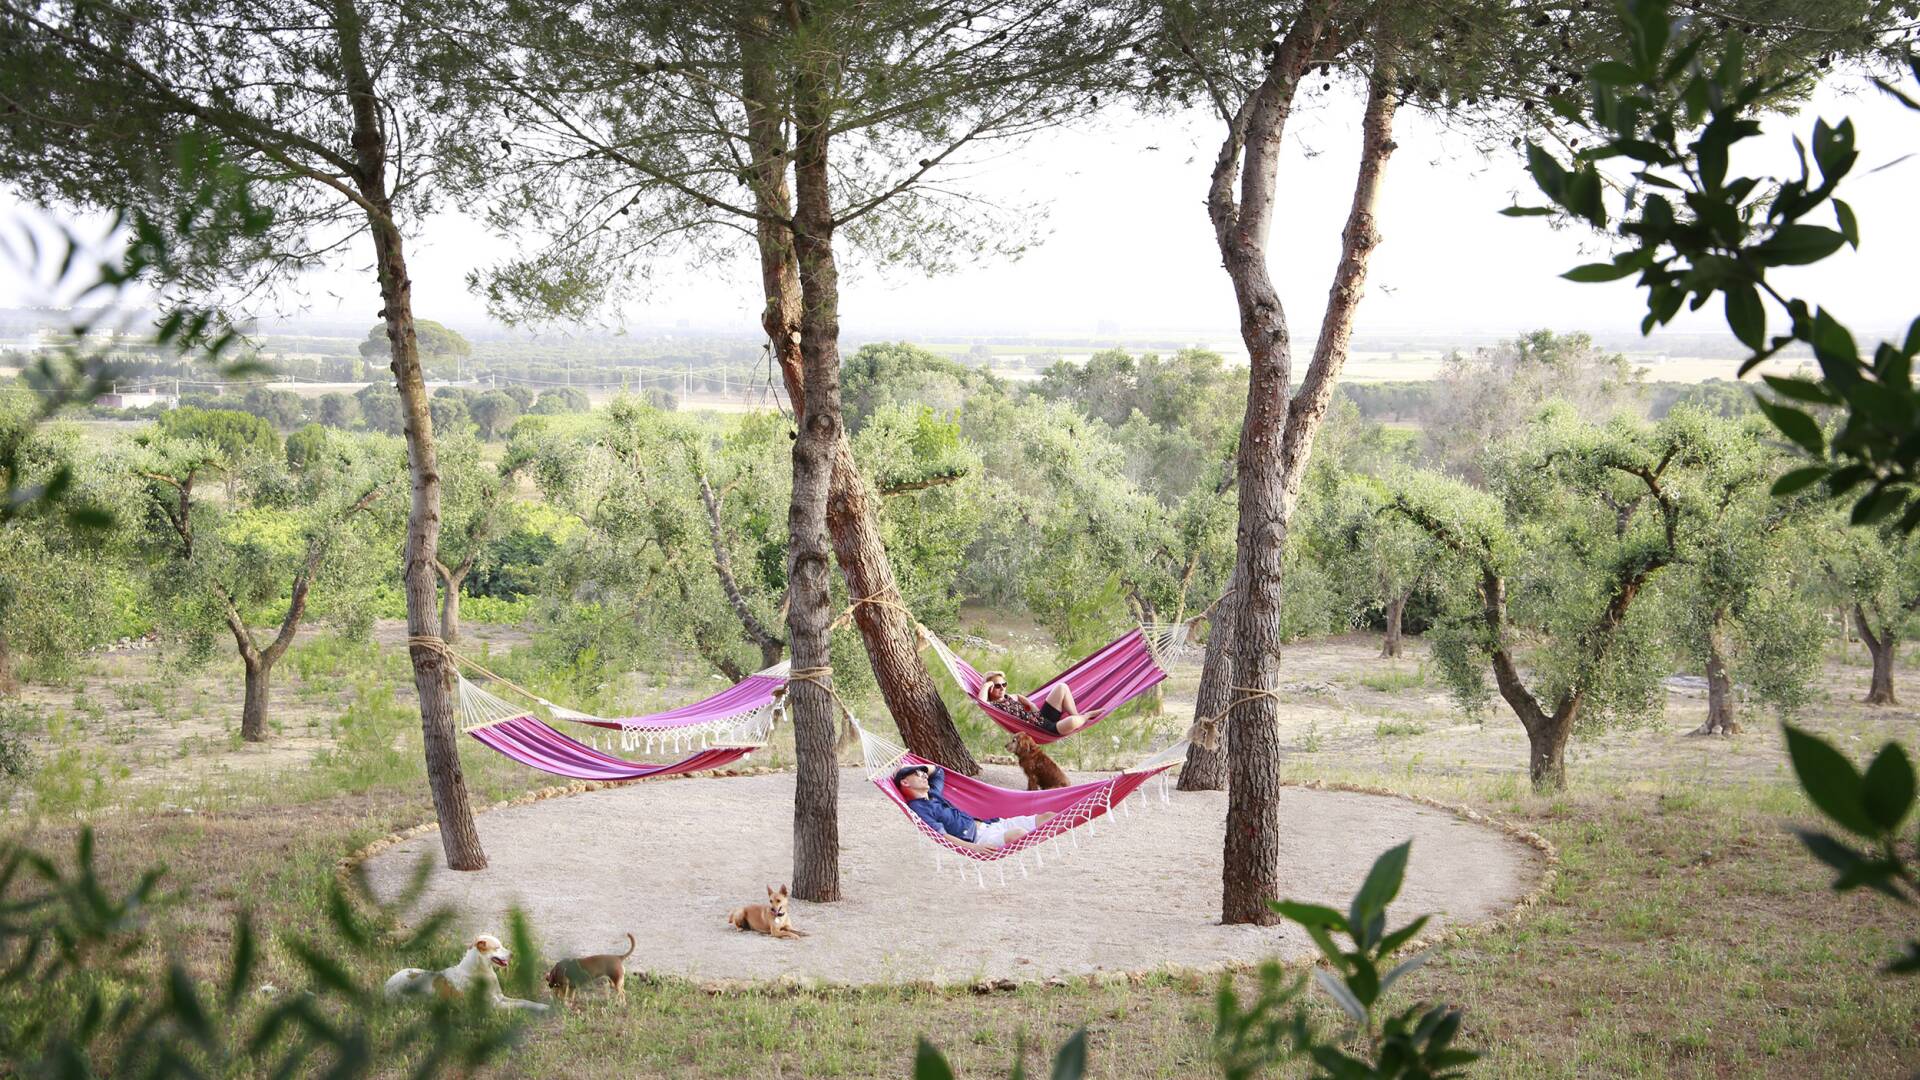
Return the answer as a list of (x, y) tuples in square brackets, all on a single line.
[(1206, 730), (878, 599), (436, 644)]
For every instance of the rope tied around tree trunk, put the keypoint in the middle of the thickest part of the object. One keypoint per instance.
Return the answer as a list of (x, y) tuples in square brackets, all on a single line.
[(1206, 732), (1252, 693), (436, 644), (821, 677), (878, 599)]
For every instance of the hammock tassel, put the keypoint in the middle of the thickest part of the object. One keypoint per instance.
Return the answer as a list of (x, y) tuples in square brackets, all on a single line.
[(1003, 874), (979, 877)]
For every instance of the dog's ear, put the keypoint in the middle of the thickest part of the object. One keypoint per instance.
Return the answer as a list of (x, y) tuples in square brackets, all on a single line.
[(481, 943), (783, 891)]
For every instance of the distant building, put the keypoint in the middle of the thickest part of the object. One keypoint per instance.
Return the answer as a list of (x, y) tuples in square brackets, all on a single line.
[(138, 400)]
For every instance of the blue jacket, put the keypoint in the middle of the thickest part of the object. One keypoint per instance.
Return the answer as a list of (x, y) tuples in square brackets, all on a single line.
[(936, 811)]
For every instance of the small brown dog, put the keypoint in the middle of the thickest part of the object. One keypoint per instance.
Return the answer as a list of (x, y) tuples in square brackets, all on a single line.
[(770, 918), (569, 975), (1041, 771)]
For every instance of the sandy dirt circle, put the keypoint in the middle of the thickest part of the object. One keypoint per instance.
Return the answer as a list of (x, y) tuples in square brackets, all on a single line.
[(668, 860)]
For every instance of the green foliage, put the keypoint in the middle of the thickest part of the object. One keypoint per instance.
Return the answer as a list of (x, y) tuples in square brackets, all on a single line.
[(904, 375), (82, 1001), (209, 206), (561, 399), (241, 438), (16, 755), (493, 413), (437, 342), (1873, 806), (1486, 395), (1677, 103), (932, 505)]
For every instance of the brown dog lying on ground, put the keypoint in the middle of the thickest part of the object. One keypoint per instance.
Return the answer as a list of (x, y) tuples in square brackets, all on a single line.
[(1041, 771), (770, 918), (569, 975)]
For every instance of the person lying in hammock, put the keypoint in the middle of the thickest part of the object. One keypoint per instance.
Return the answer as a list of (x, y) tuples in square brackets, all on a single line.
[(1058, 715), (923, 785)]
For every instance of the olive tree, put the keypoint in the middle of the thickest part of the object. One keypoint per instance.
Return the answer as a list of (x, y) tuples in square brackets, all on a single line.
[(286, 547), (1544, 570), (1876, 572)]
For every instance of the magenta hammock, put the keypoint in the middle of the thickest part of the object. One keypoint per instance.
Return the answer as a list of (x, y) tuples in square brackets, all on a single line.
[(531, 741), (1120, 671), (1071, 806), (720, 712)]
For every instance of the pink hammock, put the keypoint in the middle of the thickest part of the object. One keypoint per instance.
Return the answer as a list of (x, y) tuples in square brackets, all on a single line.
[(1120, 671), (530, 741), (1072, 806), (750, 694)]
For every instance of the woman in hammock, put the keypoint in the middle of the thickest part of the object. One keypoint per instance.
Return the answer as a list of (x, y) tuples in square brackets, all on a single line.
[(1058, 715)]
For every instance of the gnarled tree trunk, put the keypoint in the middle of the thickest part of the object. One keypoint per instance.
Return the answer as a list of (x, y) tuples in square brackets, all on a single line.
[(451, 582), (1720, 703), (253, 712), (1881, 648), (1396, 611), (433, 674), (770, 645)]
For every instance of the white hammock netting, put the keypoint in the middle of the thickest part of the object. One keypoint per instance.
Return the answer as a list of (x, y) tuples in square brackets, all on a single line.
[(1172, 641), (480, 707)]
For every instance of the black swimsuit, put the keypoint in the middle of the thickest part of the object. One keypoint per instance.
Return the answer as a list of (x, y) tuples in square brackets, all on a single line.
[(1047, 719)]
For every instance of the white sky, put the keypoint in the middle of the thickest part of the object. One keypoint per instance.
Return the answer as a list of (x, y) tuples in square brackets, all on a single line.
[(1130, 248)]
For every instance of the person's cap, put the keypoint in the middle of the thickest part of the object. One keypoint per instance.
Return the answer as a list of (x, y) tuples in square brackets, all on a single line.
[(905, 771)]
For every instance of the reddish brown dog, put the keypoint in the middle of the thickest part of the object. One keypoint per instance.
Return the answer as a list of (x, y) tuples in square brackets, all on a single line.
[(569, 975), (770, 918), (1041, 771)]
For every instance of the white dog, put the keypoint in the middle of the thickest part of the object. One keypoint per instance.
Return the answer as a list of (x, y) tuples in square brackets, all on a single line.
[(477, 966)]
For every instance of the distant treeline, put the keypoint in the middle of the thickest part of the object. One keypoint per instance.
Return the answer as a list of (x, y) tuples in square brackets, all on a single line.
[(1421, 402)]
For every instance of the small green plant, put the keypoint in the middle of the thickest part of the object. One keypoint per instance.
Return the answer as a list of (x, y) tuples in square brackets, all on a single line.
[(1874, 807), (80, 1004), (1393, 729), (1276, 1027)]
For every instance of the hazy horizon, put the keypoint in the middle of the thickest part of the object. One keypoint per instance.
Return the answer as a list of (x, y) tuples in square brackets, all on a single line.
[(1131, 255)]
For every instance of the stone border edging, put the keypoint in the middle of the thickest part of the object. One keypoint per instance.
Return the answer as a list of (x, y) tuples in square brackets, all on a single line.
[(788, 985)]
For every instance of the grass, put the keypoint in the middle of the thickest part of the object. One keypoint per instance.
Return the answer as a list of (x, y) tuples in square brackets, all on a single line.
[(1687, 934), (1394, 679)]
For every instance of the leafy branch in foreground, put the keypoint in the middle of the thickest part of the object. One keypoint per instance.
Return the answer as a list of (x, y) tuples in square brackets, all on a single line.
[(1872, 806), (77, 1003), (214, 204), (1694, 231), (1413, 1044)]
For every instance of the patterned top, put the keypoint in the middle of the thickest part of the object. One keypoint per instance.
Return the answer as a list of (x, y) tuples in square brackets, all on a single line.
[(1010, 705)]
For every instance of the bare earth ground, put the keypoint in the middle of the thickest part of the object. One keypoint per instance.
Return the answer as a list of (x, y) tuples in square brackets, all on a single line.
[(668, 861)]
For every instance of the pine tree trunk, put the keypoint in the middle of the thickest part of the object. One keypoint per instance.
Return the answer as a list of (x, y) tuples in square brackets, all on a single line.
[(1206, 766), (1720, 704), (1396, 609), (253, 712), (1277, 435), (816, 826), (887, 632), (1881, 648), (433, 675)]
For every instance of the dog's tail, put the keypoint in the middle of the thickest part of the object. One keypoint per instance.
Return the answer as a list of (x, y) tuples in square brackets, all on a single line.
[(631, 945)]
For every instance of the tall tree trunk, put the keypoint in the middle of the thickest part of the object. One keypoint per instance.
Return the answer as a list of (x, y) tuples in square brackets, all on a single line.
[(1881, 648), (1276, 438), (1720, 705), (816, 825), (1396, 611), (433, 675), (1206, 766), (7, 683), (886, 631), (253, 713)]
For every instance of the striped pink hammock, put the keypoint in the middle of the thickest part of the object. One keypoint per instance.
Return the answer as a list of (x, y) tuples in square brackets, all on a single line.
[(531, 741), (713, 715), (1120, 671), (1072, 808)]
